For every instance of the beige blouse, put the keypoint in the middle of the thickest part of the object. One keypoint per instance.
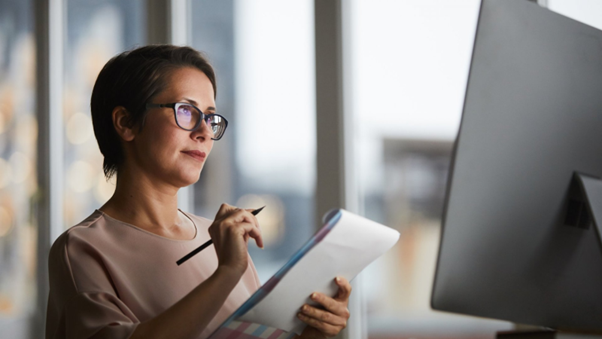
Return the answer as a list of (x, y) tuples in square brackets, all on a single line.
[(107, 276)]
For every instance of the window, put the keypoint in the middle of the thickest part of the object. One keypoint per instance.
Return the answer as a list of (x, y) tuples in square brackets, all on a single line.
[(18, 152), (95, 31), (410, 62), (585, 11), (263, 52)]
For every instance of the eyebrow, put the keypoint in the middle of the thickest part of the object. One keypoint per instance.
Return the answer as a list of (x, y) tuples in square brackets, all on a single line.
[(210, 108), (191, 101)]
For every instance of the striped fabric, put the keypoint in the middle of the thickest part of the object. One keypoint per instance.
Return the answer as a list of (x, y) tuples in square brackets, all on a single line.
[(245, 330)]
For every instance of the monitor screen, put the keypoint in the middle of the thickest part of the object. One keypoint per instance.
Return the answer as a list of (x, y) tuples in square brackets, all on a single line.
[(517, 242)]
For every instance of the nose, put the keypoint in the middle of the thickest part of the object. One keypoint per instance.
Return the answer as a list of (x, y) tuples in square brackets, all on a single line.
[(203, 132)]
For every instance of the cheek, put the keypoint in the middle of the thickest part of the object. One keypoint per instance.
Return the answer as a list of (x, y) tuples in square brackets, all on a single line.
[(158, 143), (171, 143), (209, 146)]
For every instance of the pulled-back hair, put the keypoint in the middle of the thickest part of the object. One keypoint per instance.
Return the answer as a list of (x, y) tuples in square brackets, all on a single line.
[(132, 79)]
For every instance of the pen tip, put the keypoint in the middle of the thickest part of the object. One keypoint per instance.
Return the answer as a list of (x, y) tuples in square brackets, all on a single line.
[(255, 212)]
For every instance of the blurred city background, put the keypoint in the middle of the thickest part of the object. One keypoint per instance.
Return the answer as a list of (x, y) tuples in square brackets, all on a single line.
[(407, 65)]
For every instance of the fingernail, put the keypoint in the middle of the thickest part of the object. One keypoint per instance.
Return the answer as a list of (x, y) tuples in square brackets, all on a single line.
[(313, 296), (299, 315), (337, 279), (304, 308)]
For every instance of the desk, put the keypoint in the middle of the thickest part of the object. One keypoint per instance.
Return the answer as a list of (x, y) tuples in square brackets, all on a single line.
[(543, 335)]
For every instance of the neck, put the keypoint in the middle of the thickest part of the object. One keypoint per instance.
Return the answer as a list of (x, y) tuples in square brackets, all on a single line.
[(143, 202)]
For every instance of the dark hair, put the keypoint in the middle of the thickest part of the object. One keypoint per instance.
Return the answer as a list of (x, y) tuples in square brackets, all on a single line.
[(132, 79)]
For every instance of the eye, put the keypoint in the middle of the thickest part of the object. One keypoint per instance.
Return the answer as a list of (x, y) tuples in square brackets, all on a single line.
[(185, 110), (186, 116)]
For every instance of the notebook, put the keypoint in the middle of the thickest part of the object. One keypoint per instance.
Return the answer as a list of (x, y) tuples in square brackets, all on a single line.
[(344, 246)]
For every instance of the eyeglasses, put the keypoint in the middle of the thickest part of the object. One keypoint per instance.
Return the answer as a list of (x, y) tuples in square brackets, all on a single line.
[(189, 117)]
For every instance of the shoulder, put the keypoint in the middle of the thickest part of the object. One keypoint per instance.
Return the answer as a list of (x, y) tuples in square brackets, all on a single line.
[(81, 230), (86, 231), (77, 251)]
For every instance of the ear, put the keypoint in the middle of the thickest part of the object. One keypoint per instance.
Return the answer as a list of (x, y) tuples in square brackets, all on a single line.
[(122, 123)]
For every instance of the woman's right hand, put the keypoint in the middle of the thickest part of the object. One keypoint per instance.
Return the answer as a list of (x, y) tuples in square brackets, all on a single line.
[(230, 233), (187, 318)]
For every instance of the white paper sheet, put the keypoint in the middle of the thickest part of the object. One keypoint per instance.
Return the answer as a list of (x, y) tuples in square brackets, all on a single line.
[(352, 244)]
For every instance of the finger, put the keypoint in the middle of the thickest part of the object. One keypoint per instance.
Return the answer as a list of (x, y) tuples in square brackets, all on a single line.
[(224, 210), (232, 216), (327, 329), (250, 230), (335, 306), (254, 213), (246, 217), (344, 289), (255, 233), (324, 316)]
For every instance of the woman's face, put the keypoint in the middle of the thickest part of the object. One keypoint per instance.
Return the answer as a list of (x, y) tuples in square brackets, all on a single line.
[(164, 151)]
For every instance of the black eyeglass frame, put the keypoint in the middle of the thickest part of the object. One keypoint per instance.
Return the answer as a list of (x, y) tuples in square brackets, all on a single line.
[(203, 116)]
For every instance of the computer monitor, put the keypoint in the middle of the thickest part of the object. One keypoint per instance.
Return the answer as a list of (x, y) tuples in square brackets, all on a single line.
[(518, 242)]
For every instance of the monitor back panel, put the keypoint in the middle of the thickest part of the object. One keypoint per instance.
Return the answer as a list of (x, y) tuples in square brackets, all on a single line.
[(532, 117)]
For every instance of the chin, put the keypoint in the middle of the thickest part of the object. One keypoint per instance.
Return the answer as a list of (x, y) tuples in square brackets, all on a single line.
[(189, 178)]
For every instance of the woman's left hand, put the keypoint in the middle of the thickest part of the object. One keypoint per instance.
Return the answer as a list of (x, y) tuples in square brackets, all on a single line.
[(330, 320)]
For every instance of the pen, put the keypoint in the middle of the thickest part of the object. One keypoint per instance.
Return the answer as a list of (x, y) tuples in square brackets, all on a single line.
[(207, 243)]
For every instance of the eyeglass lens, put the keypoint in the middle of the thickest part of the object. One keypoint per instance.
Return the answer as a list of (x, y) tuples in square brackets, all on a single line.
[(188, 118)]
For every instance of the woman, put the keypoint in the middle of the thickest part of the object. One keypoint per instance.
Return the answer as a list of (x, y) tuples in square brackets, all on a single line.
[(114, 274)]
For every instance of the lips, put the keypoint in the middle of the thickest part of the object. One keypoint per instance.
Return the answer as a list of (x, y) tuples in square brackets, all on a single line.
[(198, 155)]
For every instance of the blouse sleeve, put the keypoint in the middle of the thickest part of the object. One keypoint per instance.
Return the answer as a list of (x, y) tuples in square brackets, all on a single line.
[(84, 304), (255, 275)]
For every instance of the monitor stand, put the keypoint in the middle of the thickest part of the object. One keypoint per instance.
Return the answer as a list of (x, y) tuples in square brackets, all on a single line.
[(543, 334), (591, 198)]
